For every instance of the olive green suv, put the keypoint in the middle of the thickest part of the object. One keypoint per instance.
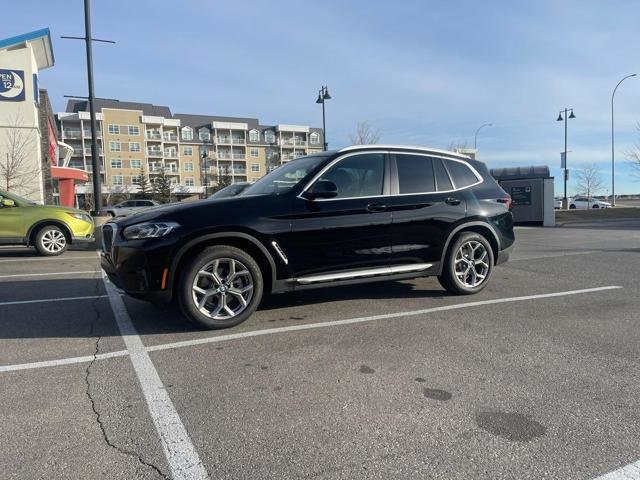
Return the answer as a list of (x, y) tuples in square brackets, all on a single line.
[(51, 229)]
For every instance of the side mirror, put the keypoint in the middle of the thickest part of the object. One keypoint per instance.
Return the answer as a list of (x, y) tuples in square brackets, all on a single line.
[(7, 202), (322, 189)]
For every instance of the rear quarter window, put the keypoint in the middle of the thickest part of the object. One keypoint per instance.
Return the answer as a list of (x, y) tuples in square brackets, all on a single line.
[(461, 174)]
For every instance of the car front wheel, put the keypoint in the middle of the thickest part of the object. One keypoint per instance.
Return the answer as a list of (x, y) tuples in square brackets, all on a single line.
[(468, 264), (51, 241), (220, 288)]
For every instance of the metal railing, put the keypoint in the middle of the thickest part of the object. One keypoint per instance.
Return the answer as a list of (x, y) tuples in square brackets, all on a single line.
[(238, 140), (87, 133), (72, 133), (170, 153), (238, 156), (152, 135), (171, 137), (154, 152), (223, 140)]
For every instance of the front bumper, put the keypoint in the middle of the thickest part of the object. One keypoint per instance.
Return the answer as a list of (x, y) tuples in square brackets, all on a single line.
[(503, 255)]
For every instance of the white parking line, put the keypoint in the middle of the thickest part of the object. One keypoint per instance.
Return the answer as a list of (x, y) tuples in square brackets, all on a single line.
[(350, 321), (27, 275), (181, 455), (62, 361), (44, 300), (629, 472), (40, 259)]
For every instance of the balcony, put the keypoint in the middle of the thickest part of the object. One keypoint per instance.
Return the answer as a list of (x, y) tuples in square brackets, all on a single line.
[(239, 171), (287, 141), (72, 133), (151, 135), (300, 141), (87, 133), (154, 152), (170, 152), (87, 151), (223, 140), (170, 137), (238, 156), (238, 140), (224, 156)]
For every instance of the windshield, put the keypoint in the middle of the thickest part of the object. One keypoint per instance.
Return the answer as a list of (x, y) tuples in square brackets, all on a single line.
[(15, 197), (230, 190), (286, 177)]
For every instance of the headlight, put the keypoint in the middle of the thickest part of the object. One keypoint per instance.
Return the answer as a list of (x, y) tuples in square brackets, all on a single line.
[(82, 216), (149, 230)]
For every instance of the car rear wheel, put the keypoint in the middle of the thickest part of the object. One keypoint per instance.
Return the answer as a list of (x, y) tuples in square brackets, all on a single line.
[(51, 241), (220, 288), (467, 265), (596, 206), (572, 206)]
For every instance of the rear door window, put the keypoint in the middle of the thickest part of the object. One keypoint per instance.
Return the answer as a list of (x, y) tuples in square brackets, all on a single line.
[(415, 174), (461, 174), (443, 182)]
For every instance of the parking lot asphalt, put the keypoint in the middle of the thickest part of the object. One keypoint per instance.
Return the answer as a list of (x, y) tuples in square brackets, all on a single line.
[(535, 377)]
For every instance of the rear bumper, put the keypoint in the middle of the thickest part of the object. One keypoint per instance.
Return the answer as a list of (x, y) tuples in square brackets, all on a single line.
[(503, 255)]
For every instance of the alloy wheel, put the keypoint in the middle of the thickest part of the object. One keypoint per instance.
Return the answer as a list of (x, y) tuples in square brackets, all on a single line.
[(471, 264), (222, 289), (53, 241)]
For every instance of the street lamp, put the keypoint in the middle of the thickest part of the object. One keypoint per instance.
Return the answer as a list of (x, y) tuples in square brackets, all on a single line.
[(475, 138), (204, 164), (613, 166), (323, 95), (565, 202)]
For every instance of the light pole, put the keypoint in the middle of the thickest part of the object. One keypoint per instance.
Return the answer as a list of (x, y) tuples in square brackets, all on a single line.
[(565, 201), (205, 168), (323, 95), (475, 137), (613, 166), (95, 160)]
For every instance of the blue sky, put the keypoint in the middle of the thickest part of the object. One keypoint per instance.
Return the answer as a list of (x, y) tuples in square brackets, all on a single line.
[(423, 72)]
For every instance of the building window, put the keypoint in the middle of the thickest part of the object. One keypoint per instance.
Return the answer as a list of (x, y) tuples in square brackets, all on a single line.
[(255, 167), (189, 182), (116, 180), (188, 167), (134, 146), (187, 133), (115, 146), (135, 180), (254, 136), (187, 151), (116, 163), (253, 152), (134, 130), (204, 135), (114, 129), (315, 138), (134, 163), (269, 136)]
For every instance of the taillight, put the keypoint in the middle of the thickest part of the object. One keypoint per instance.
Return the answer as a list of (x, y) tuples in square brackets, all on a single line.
[(506, 200)]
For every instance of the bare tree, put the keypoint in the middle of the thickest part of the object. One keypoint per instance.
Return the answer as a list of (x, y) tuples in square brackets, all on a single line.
[(457, 146), (18, 169), (634, 157), (589, 180), (365, 134)]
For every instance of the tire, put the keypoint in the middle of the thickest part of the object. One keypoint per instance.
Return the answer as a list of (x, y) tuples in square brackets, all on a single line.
[(596, 206), (572, 207), (51, 241), (218, 308), (458, 254)]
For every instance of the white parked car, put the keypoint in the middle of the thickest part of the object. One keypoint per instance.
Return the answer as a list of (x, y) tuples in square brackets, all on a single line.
[(129, 207), (587, 202)]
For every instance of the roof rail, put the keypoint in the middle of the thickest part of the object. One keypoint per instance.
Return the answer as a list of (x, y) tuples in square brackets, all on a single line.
[(404, 147)]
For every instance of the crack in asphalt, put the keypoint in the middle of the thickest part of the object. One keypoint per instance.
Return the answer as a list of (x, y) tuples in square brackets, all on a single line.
[(96, 413)]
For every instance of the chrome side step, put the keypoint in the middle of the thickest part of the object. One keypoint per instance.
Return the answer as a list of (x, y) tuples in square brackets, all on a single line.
[(373, 272)]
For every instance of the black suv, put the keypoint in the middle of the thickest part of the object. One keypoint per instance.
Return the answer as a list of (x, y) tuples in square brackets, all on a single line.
[(356, 215)]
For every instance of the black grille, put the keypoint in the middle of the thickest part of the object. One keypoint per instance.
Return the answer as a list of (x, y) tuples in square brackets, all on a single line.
[(107, 238)]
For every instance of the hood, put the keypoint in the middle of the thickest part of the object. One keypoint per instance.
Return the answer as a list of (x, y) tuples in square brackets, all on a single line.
[(173, 211), (58, 208)]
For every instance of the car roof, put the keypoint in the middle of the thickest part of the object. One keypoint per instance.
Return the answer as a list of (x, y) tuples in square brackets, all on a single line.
[(414, 148)]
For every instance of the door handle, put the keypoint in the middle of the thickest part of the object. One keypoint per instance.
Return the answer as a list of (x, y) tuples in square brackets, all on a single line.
[(376, 207), (452, 201)]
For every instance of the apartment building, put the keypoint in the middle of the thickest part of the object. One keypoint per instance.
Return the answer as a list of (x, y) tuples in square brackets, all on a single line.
[(195, 151)]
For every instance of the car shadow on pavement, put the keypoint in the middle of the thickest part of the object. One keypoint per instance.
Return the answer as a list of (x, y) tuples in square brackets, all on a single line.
[(93, 317)]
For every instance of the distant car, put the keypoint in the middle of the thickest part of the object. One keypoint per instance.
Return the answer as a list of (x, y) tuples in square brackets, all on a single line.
[(231, 190), (49, 228), (557, 203), (129, 207), (586, 202)]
